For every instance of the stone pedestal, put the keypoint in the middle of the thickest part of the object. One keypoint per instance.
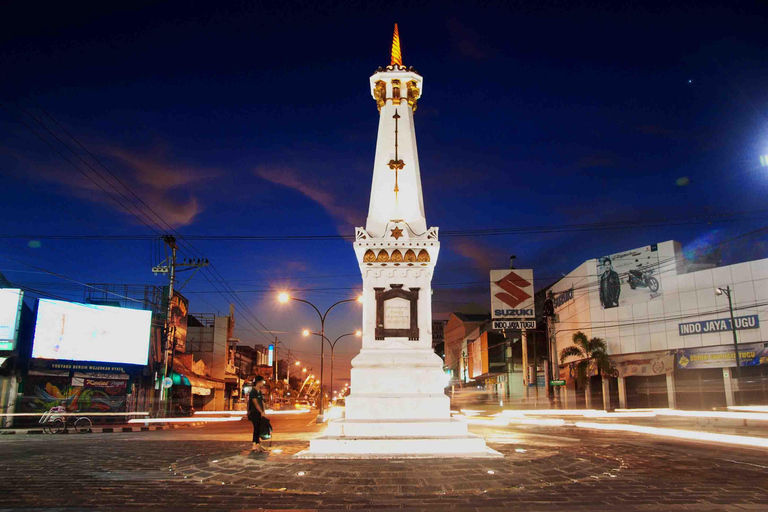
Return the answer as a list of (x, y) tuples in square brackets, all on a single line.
[(398, 407)]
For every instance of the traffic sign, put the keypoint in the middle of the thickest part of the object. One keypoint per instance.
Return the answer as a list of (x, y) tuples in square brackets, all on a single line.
[(515, 325), (557, 383), (167, 382)]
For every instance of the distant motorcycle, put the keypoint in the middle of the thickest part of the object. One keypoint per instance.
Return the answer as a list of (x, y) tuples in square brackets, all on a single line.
[(643, 279)]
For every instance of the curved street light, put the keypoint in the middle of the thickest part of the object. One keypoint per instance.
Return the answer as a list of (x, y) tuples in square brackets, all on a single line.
[(284, 298), (357, 333)]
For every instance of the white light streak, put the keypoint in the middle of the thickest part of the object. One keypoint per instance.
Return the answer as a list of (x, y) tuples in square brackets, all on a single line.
[(716, 414), (749, 408), (680, 434), (181, 420), (18, 414)]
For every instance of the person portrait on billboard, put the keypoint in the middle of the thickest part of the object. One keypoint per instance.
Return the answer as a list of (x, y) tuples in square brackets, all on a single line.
[(610, 285), (256, 412)]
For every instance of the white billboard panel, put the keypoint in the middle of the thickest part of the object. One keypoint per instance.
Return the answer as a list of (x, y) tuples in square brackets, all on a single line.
[(630, 277), (512, 294), (10, 311), (88, 332)]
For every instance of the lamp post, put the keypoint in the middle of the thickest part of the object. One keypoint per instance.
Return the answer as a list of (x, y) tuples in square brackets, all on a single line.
[(333, 345), (283, 297), (288, 372), (727, 291)]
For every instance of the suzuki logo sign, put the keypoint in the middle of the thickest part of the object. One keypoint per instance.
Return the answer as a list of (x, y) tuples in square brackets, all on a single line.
[(512, 294)]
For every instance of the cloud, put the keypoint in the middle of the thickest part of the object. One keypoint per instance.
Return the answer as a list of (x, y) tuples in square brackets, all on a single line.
[(163, 185), (483, 257), (286, 177)]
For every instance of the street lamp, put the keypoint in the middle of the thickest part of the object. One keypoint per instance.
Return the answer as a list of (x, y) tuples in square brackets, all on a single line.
[(357, 333), (727, 291), (283, 297)]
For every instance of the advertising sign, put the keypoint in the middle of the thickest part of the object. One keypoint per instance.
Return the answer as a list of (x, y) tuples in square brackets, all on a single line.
[(271, 358), (478, 355), (514, 325), (178, 320), (10, 312), (719, 325), (512, 294), (89, 332), (562, 298), (645, 365), (629, 277), (722, 356)]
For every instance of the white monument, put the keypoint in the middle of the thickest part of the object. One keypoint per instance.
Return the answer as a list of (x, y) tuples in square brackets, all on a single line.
[(397, 407)]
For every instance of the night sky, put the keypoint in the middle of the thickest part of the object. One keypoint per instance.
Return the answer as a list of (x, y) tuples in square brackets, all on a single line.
[(250, 118)]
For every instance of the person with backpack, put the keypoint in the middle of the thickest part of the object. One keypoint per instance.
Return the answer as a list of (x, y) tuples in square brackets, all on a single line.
[(256, 411)]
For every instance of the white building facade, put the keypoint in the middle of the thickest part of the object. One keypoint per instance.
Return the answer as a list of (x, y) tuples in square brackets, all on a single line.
[(668, 331)]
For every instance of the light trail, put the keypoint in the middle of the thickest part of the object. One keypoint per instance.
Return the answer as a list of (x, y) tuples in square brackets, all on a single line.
[(690, 435), (80, 414), (243, 413), (749, 408), (181, 420)]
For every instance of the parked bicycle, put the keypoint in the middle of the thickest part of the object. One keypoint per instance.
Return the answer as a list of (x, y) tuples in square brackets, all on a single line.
[(58, 421)]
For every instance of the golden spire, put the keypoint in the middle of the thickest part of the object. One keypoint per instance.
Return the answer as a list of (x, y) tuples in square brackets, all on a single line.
[(397, 58)]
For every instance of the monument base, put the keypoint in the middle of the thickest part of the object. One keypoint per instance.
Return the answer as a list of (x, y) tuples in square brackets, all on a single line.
[(397, 439)]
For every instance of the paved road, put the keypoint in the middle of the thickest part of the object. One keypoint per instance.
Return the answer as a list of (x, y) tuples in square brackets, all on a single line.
[(209, 468)]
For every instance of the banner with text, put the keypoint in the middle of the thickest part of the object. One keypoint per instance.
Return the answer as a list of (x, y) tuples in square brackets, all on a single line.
[(645, 365), (719, 325), (722, 356)]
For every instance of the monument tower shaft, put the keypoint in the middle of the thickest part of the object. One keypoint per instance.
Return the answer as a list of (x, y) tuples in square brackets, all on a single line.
[(397, 406)]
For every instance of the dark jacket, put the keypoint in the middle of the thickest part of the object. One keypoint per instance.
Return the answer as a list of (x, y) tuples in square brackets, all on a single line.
[(610, 289)]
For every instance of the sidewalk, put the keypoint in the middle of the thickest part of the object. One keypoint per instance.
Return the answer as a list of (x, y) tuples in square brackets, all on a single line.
[(104, 429)]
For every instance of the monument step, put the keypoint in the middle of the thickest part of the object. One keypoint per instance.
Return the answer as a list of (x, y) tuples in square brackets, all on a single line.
[(397, 428), (366, 447), (397, 407)]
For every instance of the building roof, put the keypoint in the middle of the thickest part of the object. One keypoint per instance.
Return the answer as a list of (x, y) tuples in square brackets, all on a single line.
[(465, 317)]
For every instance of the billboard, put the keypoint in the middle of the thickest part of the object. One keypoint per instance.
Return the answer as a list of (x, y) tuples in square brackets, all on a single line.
[(178, 320), (628, 277), (89, 332), (512, 294), (722, 356), (10, 312)]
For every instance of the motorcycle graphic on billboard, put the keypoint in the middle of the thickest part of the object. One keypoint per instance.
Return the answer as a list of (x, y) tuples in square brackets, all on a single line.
[(629, 277)]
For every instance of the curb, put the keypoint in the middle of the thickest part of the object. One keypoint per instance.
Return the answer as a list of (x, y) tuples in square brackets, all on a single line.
[(103, 430)]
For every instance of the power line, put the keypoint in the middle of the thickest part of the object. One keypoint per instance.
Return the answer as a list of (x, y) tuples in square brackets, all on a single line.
[(557, 228)]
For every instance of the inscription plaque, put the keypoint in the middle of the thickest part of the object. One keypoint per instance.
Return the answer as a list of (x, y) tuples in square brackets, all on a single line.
[(397, 314)]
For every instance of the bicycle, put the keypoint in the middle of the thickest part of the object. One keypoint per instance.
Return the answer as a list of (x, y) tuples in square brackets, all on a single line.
[(57, 421)]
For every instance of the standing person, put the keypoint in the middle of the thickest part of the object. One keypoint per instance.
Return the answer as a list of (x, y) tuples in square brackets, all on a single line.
[(256, 411), (610, 285)]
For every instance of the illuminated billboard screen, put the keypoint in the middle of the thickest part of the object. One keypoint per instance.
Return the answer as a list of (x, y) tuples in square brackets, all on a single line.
[(89, 332), (10, 311)]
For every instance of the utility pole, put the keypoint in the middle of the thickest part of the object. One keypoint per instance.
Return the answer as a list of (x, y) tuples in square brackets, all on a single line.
[(727, 291), (274, 361), (169, 266)]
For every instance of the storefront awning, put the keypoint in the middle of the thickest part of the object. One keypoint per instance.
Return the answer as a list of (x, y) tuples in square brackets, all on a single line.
[(196, 381)]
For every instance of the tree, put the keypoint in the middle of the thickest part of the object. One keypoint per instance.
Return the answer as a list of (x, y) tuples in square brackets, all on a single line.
[(586, 351)]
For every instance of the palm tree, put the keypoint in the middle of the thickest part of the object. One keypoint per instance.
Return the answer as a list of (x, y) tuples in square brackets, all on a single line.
[(587, 350)]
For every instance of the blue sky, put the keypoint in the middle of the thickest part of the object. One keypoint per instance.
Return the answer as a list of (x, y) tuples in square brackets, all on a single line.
[(255, 118)]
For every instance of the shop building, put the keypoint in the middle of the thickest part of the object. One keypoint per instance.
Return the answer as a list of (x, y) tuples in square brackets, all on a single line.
[(667, 330), (210, 341), (486, 365)]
